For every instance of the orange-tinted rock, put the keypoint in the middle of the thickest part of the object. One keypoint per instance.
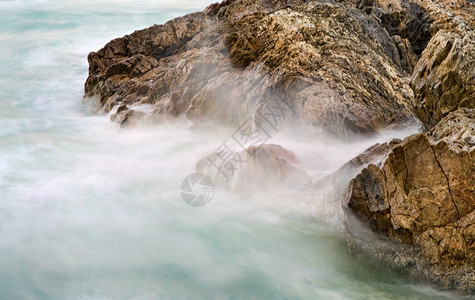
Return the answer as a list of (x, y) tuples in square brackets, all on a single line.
[(444, 77), (422, 195)]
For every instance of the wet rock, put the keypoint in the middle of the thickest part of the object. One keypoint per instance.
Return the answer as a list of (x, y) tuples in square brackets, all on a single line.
[(331, 188), (336, 66), (420, 199), (339, 179)]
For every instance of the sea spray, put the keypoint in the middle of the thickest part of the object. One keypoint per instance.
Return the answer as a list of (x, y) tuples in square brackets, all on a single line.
[(91, 211)]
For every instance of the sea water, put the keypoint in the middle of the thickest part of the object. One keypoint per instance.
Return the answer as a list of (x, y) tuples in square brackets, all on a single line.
[(88, 211)]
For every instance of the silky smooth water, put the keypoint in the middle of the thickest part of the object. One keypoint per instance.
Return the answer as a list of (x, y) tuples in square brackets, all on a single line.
[(88, 211)]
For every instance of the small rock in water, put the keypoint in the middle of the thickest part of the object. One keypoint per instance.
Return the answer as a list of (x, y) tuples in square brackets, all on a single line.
[(264, 166)]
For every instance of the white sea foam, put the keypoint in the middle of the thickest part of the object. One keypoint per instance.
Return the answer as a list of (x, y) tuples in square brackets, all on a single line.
[(88, 211)]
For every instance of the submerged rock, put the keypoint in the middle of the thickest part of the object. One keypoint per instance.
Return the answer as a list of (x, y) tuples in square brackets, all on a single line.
[(336, 66), (421, 198), (262, 166)]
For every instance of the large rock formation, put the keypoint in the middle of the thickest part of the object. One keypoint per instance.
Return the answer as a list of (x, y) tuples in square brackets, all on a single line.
[(422, 195), (335, 65), (415, 209)]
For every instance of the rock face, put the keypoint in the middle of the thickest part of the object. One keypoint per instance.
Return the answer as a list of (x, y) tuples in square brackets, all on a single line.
[(423, 196), (444, 77), (435, 39), (335, 65), (457, 130), (414, 210), (261, 166)]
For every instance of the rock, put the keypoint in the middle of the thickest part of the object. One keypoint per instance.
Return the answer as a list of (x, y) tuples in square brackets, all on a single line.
[(336, 66), (457, 130), (415, 22), (444, 77), (407, 22), (435, 41), (330, 189), (335, 183), (421, 199), (260, 166)]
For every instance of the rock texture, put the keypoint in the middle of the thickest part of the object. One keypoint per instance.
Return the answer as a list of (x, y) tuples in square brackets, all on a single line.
[(444, 77), (457, 130), (335, 65), (422, 195), (435, 39)]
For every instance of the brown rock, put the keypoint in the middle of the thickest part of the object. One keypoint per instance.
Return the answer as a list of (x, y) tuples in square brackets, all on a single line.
[(435, 41), (336, 66), (444, 77), (414, 22), (457, 130), (333, 186), (422, 195)]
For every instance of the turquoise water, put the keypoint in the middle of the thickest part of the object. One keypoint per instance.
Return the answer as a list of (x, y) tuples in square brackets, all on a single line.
[(88, 211)]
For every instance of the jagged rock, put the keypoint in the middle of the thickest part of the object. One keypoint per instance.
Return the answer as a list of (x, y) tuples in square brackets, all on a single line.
[(335, 184), (421, 196), (444, 77), (336, 66), (407, 22), (416, 21), (457, 130), (260, 166), (435, 39)]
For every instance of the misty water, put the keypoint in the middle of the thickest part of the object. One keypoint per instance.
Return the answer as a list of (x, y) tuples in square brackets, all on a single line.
[(88, 211)]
